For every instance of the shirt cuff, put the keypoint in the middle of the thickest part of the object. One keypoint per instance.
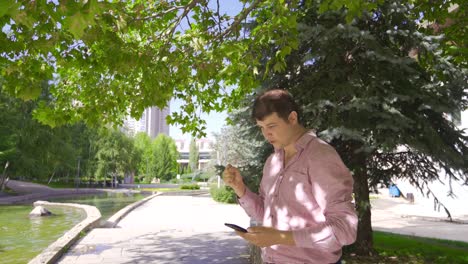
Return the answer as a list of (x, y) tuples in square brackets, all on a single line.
[(246, 198), (320, 235)]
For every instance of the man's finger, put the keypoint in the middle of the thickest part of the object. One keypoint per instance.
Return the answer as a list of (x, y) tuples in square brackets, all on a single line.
[(255, 229)]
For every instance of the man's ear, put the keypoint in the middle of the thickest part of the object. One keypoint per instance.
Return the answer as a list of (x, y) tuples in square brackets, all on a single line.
[(292, 118)]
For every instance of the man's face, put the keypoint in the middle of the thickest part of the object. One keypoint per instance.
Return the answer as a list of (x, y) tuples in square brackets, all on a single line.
[(276, 130)]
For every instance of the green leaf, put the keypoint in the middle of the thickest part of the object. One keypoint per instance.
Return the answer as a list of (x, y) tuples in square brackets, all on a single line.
[(24, 19), (6, 7), (76, 24)]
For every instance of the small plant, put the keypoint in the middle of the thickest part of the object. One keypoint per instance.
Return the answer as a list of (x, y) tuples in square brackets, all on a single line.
[(190, 187), (223, 194)]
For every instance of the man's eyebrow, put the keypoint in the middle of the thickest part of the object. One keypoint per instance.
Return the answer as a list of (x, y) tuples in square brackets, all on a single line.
[(269, 124)]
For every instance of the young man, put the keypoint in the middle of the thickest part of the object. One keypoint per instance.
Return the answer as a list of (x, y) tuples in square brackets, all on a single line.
[(304, 200)]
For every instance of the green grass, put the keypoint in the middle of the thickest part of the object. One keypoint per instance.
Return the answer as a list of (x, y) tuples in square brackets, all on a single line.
[(393, 248)]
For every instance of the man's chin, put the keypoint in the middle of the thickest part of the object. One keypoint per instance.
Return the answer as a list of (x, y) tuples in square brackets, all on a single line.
[(275, 145)]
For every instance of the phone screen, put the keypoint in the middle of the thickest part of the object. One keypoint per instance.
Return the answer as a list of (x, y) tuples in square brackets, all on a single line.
[(236, 227)]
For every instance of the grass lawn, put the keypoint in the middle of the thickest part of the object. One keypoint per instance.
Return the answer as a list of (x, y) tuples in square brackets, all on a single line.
[(393, 248)]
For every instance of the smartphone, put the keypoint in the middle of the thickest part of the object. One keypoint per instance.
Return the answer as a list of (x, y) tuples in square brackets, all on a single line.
[(236, 227)]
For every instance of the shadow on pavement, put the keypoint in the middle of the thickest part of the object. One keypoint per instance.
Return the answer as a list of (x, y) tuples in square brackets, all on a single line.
[(171, 246)]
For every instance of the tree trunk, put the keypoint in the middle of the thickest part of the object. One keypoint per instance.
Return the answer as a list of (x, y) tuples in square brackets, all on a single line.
[(2, 182), (3, 177), (364, 242), (51, 177)]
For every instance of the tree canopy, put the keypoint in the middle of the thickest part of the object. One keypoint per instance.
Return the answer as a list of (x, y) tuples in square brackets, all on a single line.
[(105, 60), (108, 59)]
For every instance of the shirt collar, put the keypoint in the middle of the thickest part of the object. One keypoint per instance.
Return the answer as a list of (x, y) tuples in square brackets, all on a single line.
[(302, 142)]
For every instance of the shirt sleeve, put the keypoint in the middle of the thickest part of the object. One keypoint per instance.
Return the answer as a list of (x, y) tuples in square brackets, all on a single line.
[(252, 204), (332, 186)]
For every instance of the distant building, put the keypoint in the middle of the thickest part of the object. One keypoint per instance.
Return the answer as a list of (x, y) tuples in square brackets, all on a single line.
[(205, 149), (152, 122)]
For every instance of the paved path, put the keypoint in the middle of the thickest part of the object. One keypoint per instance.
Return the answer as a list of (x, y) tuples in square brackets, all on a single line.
[(398, 216), (168, 229), (184, 229)]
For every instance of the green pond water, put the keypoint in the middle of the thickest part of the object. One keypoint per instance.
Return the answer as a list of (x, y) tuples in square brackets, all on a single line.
[(22, 238)]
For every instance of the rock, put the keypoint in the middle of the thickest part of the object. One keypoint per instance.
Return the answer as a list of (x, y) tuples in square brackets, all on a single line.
[(40, 211)]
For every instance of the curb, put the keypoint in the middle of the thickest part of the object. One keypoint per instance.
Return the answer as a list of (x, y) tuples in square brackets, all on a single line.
[(186, 193), (436, 219), (115, 219), (54, 194), (55, 250)]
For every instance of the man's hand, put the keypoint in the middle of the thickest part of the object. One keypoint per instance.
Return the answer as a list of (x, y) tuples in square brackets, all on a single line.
[(266, 236), (233, 178)]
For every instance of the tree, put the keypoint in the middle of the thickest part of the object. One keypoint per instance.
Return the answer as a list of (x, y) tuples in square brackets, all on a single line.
[(193, 156), (108, 59), (166, 155), (143, 146), (244, 147), (383, 110), (116, 155), (447, 17), (9, 118)]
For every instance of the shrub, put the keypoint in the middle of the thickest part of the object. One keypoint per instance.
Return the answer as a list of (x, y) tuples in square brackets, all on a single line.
[(223, 194), (190, 187)]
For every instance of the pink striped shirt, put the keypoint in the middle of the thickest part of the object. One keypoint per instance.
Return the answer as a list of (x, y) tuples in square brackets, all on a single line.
[(310, 196)]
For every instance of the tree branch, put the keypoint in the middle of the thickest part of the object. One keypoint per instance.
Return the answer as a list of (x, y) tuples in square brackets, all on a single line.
[(160, 14), (187, 9), (245, 12)]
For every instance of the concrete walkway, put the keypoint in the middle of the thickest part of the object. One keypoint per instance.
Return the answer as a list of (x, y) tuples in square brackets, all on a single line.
[(168, 229), (184, 229), (396, 215)]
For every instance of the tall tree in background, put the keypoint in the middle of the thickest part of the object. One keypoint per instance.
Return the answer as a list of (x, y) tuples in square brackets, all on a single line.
[(9, 119), (244, 147), (166, 155), (194, 156), (143, 146), (116, 155)]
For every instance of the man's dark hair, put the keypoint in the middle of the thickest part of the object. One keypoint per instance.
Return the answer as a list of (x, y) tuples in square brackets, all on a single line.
[(277, 101)]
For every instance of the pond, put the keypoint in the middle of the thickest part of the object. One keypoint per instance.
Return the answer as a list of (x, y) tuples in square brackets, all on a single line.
[(22, 238)]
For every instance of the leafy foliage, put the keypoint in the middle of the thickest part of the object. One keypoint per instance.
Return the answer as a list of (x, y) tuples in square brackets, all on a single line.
[(143, 146), (194, 155), (223, 194), (446, 17), (107, 59), (165, 156), (116, 154), (190, 187)]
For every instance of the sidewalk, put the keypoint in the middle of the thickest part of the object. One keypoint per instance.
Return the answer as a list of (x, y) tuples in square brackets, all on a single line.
[(168, 229), (189, 229), (396, 215)]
